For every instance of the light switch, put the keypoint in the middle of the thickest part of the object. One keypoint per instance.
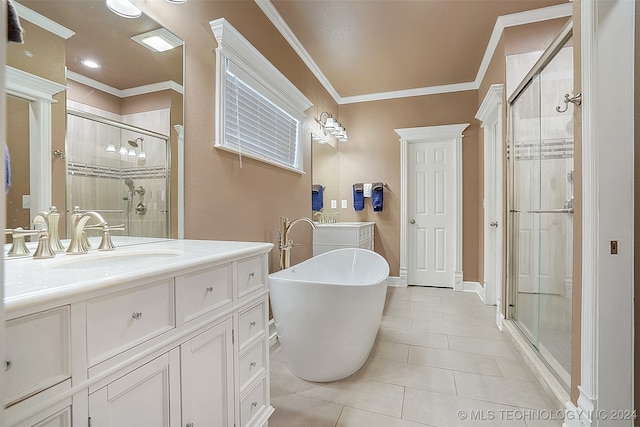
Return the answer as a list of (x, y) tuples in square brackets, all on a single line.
[(344, 204), (334, 204), (26, 201)]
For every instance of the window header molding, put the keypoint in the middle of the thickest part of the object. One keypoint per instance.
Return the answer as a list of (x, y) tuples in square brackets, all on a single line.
[(232, 45)]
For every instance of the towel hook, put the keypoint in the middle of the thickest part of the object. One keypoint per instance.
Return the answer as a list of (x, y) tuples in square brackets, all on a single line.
[(576, 100)]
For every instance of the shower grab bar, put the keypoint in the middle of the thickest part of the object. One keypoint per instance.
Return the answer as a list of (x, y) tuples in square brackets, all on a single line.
[(569, 211)]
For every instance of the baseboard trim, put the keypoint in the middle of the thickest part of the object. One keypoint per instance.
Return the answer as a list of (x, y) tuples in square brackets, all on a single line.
[(475, 287), (396, 281)]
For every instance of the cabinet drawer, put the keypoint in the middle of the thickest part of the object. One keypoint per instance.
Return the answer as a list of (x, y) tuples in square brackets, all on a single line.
[(252, 364), (251, 275), (253, 403), (123, 319), (203, 291), (251, 325), (37, 353)]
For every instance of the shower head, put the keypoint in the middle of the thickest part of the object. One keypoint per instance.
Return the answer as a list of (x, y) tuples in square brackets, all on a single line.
[(134, 143), (129, 183)]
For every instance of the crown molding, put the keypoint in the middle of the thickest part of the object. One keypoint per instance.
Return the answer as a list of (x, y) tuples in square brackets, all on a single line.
[(502, 22), (124, 93), (43, 22)]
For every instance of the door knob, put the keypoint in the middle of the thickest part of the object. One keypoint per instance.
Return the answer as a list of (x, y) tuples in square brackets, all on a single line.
[(413, 221), (493, 223)]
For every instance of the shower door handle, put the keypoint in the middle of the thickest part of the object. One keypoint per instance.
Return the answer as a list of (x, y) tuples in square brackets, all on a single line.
[(569, 211)]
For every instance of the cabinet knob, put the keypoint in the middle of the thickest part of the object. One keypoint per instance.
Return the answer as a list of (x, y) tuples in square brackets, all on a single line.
[(252, 274), (252, 364), (252, 324), (137, 315), (190, 425), (209, 288), (254, 404), (7, 365), (413, 221)]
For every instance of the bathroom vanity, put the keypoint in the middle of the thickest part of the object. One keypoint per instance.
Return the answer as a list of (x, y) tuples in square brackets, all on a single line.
[(338, 235), (167, 333)]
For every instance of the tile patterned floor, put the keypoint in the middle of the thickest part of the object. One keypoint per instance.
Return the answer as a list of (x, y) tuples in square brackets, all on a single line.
[(438, 361)]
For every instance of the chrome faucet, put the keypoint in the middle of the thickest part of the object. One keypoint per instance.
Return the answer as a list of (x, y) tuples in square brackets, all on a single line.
[(285, 243), (79, 222)]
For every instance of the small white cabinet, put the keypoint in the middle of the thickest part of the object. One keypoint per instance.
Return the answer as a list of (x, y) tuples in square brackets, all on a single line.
[(327, 237), (179, 346)]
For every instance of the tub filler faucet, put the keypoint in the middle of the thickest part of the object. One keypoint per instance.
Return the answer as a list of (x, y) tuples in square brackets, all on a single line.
[(285, 243)]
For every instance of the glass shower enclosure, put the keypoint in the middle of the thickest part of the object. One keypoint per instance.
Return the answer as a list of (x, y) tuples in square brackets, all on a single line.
[(541, 170), (119, 170)]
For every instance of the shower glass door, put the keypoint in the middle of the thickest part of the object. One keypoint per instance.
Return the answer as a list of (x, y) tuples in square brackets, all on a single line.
[(541, 212), (120, 171)]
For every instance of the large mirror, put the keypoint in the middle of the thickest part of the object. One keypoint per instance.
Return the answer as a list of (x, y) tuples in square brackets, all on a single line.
[(65, 138), (325, 172)]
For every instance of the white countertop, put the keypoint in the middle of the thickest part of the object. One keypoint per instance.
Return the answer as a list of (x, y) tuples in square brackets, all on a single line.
[(29, 282)]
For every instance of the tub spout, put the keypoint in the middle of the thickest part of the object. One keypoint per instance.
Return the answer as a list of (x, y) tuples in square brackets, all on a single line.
[(285, 243)]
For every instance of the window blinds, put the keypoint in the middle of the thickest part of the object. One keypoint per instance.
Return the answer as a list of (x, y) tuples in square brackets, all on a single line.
[(253, 123)]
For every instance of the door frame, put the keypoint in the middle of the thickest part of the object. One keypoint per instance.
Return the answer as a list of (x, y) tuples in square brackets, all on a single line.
[(490, 115), (426, 134)]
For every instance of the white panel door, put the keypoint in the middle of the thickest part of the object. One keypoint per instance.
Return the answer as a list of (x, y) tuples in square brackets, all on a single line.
[(432, 213)]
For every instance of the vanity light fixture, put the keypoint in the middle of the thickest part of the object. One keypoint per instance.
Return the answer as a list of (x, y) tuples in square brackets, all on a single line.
[(124, 8), (123, 150), (331, 127), (111, 148), (159, 40)]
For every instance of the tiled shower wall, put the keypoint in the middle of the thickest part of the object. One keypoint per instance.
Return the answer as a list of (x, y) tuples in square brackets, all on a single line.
[(96, 178)]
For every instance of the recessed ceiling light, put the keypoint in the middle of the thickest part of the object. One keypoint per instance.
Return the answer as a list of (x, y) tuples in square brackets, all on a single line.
[(90, 63), (158, 40), (124, 8)]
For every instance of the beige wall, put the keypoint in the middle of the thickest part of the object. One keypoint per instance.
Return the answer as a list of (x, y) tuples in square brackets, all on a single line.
[(636, 273), (223, 200)]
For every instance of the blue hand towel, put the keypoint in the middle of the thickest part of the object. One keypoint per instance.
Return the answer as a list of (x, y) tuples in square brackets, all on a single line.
[(376, 196), (317, 201), (358, 197)]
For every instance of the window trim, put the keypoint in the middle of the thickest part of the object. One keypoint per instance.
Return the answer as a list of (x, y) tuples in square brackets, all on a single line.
[(271, 83)]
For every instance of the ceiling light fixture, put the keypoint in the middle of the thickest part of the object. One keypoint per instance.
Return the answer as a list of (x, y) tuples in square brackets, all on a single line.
[(159, 40), (330, 127), (123, 8), (90, 63)]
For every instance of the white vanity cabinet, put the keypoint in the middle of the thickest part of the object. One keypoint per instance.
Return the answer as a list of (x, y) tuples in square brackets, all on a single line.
[(185, 346), (327, 237)]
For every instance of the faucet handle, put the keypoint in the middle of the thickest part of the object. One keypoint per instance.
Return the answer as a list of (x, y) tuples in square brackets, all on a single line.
[(44, 249), (18, 246), (106, 244)]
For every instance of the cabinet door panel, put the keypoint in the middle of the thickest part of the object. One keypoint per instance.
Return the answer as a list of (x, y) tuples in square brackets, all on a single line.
[(139, 398), (207, 378)]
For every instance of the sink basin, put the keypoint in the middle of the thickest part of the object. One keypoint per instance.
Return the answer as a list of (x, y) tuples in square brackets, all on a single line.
[(104, 260)]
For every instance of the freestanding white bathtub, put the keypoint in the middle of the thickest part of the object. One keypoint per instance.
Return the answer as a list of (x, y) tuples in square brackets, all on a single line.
[(327, 312)]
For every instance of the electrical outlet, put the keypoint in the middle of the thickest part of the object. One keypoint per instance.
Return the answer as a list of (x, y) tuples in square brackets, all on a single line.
[(334, 204), (344, 204), (614, 247)]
